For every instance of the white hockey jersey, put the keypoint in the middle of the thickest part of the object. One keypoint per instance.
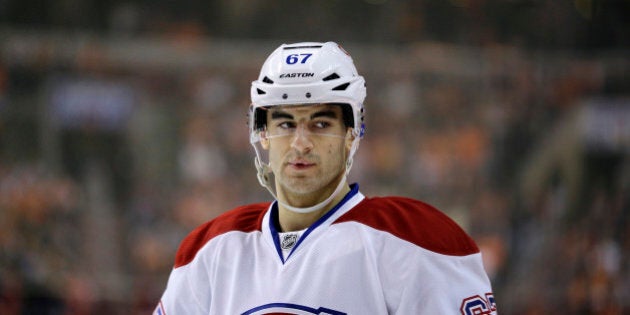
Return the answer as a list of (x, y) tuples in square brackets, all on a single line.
[(389, 255)]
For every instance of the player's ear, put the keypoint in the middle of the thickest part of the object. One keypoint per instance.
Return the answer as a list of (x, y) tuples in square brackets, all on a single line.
[(349, 139)]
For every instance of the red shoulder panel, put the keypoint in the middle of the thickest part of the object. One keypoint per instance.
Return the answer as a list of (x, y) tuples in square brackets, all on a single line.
[(415, 222), (246, 219)]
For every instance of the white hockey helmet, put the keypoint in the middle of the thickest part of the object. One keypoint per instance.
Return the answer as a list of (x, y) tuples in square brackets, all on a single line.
[(306, 73)]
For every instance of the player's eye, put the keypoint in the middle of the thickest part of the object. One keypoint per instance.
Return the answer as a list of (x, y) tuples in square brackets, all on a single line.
[(286, 125), (321, 125)]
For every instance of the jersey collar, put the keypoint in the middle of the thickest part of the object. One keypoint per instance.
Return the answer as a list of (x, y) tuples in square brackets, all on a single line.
[(271, 219)]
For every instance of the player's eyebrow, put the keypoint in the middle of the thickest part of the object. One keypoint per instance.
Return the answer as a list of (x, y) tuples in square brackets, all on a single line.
[(329, 113), (280, 114)]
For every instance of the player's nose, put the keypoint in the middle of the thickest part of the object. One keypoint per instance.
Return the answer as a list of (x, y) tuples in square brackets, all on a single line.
[(301, 140)]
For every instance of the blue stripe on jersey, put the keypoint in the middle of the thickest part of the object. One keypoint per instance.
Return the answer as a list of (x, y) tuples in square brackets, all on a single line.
[(289, 306)]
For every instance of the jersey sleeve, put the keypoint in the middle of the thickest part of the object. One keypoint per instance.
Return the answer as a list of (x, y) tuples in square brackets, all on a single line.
[(427, 263), (182, 292), (445, 285), (188, 290)]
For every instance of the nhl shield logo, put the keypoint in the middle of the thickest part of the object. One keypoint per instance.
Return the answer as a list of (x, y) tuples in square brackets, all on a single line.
[(288, 241)]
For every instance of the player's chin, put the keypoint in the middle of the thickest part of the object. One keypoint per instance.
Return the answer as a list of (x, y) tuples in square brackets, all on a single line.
[(300, 183)]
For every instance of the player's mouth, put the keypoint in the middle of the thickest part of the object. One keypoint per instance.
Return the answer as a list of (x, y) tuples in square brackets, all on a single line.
[(300, 164)]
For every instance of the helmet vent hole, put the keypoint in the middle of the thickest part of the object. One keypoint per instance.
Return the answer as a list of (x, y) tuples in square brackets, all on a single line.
[(308, 94), (331, 77), (284, 96), (267, 80), (260, 92), (342, 87), (302, 46)]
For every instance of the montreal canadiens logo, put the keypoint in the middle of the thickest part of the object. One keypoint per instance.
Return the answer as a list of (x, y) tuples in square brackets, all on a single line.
[(290, 309)]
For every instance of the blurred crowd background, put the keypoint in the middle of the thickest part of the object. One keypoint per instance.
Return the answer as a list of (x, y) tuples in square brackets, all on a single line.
[(123, 126)]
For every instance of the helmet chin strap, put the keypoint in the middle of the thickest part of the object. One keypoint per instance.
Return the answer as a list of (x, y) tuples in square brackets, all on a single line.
[(318, 206)]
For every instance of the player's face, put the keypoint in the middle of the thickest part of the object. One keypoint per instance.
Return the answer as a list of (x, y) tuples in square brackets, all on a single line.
[(308, 146)]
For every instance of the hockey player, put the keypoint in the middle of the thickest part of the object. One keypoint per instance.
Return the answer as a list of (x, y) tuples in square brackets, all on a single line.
[(322, 247)]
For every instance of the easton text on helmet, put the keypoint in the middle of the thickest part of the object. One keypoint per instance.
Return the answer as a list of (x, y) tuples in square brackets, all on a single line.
[(297, 75)]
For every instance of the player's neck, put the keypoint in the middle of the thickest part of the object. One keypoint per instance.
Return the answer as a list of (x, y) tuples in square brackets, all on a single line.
[(294, 221)]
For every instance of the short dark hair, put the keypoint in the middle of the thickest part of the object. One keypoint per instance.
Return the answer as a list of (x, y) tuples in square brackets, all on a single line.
[(346, 111)]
